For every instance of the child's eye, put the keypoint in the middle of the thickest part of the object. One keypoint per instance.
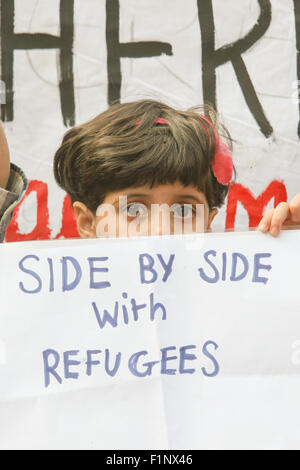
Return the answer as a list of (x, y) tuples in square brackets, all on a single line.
[(185, 211), (136, 209)]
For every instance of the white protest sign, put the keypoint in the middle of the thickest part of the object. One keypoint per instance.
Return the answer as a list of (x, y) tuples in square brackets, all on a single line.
[(151, 343)]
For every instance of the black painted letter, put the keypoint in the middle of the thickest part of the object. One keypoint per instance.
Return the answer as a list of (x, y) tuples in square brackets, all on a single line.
[(116, 50), (213, 58), (11, 41)]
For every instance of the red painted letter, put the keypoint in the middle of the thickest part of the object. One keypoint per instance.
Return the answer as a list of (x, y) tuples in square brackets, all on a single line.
[(41, 230), (253, 206)]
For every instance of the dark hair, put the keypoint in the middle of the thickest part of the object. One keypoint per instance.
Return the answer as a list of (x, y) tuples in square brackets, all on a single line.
[(124, 147)]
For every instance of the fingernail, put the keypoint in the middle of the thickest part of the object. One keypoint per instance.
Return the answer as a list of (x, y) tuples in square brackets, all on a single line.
[(262, 227), (274, 231)]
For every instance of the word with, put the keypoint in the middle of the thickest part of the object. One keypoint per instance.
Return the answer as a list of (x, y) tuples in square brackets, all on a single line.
[(236, 274), (106, 318), (68, 264), (137, 367)]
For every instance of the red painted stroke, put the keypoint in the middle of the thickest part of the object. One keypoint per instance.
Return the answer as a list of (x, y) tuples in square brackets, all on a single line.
[(42, 230), (253, 206), (68, 227)]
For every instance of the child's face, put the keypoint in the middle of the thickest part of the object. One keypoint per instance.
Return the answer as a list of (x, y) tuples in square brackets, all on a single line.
[(161, 210)]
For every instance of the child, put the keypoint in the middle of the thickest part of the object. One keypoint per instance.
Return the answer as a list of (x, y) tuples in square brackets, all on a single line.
[(138, 155), (13, 184)]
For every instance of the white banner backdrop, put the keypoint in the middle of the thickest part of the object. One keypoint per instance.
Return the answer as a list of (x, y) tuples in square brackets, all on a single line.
[(63, 61), (153, 343)]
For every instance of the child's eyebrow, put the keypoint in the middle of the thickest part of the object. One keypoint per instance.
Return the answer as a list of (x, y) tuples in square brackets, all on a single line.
[(130, 195), (137, 195), (189, 196)]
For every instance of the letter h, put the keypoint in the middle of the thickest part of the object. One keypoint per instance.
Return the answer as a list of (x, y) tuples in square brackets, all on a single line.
[(116, 50), (11, 41)]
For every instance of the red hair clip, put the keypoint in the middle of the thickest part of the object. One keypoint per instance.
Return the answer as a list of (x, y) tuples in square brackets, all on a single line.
[(158, 120), (222, 165)]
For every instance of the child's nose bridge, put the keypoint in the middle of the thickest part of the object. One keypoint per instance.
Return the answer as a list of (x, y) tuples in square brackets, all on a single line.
[(161, 220)]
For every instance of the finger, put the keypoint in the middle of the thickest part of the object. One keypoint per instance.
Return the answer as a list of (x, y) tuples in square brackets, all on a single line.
[(281, 213), (265, 223), (295, 208)]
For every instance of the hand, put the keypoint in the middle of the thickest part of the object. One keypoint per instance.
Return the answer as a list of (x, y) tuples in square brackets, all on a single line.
[(285, 215), (4, 159)]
